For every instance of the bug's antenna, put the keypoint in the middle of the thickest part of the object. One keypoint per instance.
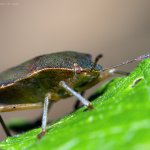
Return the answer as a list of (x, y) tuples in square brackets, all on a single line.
[(128, 61), (96, 60)]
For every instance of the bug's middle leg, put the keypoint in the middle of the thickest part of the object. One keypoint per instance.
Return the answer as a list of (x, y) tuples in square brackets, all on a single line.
[(28, 125), (44, 116), (37, 122)]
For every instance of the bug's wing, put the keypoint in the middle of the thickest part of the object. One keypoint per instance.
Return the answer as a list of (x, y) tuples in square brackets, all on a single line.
[(11, 75), (54, 60)]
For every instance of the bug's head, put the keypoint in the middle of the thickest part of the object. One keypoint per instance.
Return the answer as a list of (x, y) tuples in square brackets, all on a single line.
[(86, 77)]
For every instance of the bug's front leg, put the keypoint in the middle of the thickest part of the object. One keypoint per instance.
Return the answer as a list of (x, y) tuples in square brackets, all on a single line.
[(108, 73), (77, 95), (77, 103), (120, 72), (44, 116)]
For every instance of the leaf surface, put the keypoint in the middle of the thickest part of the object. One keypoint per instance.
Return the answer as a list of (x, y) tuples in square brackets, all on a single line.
[(120, 120)]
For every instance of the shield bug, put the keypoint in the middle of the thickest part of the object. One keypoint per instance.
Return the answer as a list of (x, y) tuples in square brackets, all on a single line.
[(49, 78)]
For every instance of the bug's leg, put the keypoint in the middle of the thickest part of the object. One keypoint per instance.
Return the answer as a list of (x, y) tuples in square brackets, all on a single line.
[(28, 125), (37, 122), (77, 104), (104, 75), (77, 95), (109, 73), (16, 107), (44, 117), (4, 126), (116, 71)]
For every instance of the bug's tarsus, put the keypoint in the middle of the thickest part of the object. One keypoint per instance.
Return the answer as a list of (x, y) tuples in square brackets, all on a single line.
[(90, 106), (41, 134), (44, 117), (128, 61), (77, 95), (4, 126), (96, 60)]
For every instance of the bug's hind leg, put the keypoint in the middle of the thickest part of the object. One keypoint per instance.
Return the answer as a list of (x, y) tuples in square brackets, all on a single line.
[(44, 116), (4, 126), (77, 103)]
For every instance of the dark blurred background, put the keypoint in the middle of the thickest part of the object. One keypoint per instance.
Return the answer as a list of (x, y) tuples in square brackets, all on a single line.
[(118, 29)]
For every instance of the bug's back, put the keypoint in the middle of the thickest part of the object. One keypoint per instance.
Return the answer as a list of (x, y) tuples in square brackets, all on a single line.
[(30, 81), (55, 60)]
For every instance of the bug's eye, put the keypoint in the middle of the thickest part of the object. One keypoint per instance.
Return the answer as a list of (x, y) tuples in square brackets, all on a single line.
[(77, 69)]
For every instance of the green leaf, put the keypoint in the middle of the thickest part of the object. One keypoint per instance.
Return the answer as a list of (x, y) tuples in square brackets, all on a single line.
[(120, 120)]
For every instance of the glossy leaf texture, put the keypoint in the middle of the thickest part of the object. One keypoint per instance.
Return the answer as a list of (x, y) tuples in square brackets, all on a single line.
[(120, 120)]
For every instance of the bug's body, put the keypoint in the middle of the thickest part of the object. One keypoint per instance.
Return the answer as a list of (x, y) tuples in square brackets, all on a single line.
[(30, 81), (50, 78)]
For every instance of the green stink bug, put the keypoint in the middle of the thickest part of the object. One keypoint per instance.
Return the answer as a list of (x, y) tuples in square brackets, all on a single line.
[(49, 78)]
